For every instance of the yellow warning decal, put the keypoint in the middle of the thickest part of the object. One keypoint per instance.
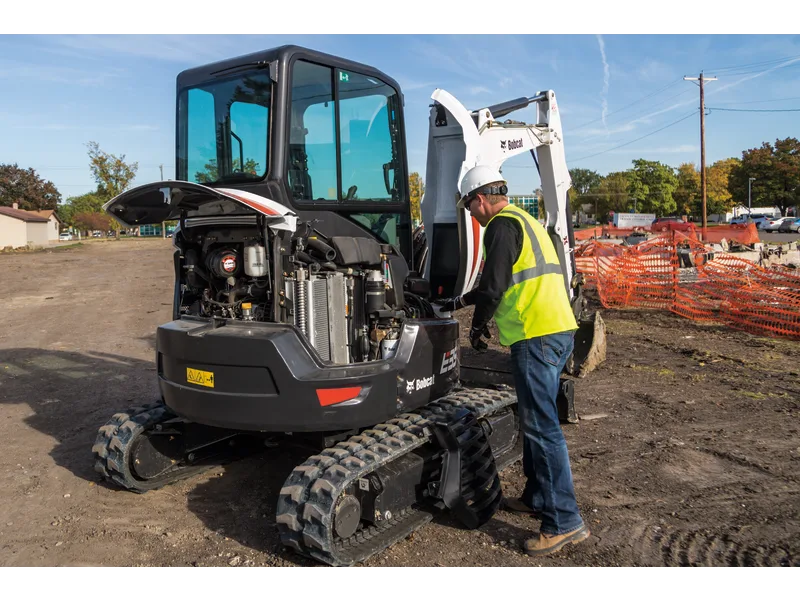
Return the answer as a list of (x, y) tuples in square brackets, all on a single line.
[(205, 378)]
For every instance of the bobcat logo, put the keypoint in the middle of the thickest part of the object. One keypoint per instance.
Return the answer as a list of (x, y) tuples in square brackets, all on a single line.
[(502, 144), (409, 386)]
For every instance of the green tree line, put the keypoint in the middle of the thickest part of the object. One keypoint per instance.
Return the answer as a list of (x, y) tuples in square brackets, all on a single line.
[(648, 186), (654, 187)]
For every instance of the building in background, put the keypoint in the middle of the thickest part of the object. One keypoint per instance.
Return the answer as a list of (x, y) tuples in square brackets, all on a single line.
[(529, 204), (20, 228), (54, 227)]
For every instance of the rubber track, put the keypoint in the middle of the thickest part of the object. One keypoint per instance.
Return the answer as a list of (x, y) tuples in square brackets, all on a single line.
[(308, 499), (113, 443)]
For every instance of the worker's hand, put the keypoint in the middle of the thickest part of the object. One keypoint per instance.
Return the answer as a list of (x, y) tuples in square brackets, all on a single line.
[(451, 304), (475, 337)]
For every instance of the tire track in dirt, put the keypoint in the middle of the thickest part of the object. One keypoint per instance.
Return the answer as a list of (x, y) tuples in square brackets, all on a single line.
[(688, 548), (691, 547), (743, 461)]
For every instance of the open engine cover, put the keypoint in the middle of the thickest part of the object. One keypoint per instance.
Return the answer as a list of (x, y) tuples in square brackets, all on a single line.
[(161, 201)]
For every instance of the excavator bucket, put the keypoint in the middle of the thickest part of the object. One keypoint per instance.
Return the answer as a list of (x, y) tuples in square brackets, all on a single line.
[(590, 346)]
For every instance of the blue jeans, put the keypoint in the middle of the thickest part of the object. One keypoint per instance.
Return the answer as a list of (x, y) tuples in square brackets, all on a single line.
[(537, 364)]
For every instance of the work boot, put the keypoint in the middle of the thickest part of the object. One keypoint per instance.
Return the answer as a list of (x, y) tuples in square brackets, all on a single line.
[(549, 544), (516, 505)]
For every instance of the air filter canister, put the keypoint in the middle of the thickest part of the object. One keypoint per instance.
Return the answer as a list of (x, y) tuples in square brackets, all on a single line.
[(223, 263)]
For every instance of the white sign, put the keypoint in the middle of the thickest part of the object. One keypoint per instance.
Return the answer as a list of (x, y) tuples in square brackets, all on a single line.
[(628, 220)]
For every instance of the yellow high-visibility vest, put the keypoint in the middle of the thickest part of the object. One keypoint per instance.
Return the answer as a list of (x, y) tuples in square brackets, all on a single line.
[(536, 302)]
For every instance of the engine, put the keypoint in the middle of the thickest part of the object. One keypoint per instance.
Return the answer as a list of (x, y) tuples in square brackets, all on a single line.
[(347, 296)]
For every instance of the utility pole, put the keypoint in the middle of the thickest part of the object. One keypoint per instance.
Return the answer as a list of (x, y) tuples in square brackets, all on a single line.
[(749, 182), (161, 168), (702, 80)]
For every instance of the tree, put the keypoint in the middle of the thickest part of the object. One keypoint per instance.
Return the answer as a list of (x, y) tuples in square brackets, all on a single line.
[(91, 221), (75, 205), (112, 174), (416, 188), (777, 173), (612, 193), (210, 174), (718, 197), (539, 194), (652, 184), (584, 181), (687, 194), (27, 189)]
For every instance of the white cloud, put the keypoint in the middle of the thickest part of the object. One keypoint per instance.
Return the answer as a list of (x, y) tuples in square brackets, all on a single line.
[(654, 70), (190, 48), (47, 127), (479, 89), (408, 85), (138, 128), (589, 133), (606, 77), (11, 69)]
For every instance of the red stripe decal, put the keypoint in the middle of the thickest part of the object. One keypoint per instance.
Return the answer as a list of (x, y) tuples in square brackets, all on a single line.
[(259, 207), (336, 395)]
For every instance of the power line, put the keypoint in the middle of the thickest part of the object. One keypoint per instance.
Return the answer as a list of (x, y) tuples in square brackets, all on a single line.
[(765, 62), (794, 63), (756, 109), (637, 114), (643, 114), (691, 114), (763, 101), (658, 91)]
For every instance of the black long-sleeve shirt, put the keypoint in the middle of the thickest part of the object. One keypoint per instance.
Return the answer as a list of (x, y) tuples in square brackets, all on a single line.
[(503, 241)]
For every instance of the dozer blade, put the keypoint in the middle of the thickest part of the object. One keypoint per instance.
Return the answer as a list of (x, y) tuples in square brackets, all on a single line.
[(590, 346)]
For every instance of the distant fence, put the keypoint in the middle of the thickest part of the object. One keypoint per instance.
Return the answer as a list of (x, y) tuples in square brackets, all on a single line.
[(720, 287), (744, 234)]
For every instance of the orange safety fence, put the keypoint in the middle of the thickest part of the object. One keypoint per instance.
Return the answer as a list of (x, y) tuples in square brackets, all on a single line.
[(675, 272), (743, 234)]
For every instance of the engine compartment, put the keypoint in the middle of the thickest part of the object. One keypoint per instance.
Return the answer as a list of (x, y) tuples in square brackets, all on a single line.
[(348, 296)]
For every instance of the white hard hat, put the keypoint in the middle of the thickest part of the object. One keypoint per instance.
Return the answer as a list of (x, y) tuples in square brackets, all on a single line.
[(476, 178)]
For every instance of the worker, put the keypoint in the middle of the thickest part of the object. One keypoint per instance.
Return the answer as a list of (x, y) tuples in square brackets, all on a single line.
[(522, 286)]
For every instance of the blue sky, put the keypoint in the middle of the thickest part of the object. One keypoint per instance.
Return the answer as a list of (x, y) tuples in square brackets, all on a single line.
[(58, 92)]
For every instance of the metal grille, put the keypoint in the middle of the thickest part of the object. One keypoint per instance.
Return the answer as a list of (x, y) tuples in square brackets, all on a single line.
[(338, 318), (319, 332)]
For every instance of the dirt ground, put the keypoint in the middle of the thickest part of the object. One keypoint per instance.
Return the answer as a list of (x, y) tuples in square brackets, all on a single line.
[(687, 453)]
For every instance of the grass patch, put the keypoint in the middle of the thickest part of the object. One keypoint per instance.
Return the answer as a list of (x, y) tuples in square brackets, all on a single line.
[(59, 248), (754, 395)]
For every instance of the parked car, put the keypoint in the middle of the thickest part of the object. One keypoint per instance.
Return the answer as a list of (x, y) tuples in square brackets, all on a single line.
[(670, 224), (774, 224), (789, 225), (97, 234), (758, 219), (65, 237)]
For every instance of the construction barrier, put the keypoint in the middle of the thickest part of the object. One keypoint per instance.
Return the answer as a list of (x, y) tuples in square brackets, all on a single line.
[(675, 272), (743, 234)]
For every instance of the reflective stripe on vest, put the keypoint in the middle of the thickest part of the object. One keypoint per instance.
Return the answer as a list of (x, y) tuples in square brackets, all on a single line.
[(536, 303)]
